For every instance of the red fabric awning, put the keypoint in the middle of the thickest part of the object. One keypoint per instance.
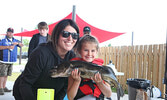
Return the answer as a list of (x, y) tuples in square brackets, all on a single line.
[(101, 35), (31, 33)]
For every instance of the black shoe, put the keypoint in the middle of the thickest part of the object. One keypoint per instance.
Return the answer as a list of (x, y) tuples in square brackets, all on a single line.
[(1, 91), (6, 90)]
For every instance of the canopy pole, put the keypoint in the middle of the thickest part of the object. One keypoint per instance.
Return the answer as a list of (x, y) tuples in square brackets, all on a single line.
[(74, 13), (132, 38), (20, 49)]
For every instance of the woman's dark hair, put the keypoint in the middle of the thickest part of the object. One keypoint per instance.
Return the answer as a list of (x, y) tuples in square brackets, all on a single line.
[(60, 27)]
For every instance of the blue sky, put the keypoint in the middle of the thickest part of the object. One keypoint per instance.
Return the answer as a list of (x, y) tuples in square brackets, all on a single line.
[(146, 18)]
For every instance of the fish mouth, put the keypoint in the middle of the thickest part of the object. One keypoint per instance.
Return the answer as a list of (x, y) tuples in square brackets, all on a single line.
[(52, 71), (60, 73), (54, 75)]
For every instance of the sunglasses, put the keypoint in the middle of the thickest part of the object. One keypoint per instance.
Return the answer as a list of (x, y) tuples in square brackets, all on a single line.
[(66, 34)]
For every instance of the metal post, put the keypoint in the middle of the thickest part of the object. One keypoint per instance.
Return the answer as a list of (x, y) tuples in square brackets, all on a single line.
[(132, 38), (74, 13), (20, 49)]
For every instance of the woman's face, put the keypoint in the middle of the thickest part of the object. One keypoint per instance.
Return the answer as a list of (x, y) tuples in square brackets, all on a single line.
[(67, 43)]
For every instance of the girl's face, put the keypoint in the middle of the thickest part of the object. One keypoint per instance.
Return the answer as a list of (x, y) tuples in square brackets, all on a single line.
[(67, 43), (88, 51)]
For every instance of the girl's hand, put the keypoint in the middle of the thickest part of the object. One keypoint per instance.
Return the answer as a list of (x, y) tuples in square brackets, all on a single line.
[(76, 75), (97, 78)]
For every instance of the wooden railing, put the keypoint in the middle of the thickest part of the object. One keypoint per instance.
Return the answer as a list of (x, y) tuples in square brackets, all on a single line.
[(142, 61)]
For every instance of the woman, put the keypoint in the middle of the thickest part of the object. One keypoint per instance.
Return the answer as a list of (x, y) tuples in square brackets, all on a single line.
[(47, 55)]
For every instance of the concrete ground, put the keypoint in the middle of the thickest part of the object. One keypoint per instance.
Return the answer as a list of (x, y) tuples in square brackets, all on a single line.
[(8, 95)]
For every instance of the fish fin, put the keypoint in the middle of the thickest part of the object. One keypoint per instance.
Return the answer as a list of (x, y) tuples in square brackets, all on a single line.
[(120, 91), (118, 94), (109, 82)]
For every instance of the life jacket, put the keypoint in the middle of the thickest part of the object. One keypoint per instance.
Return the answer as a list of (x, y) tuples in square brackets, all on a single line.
[(87, 86), (97, 61)]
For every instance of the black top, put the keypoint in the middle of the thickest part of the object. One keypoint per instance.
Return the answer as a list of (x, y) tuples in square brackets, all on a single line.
[(34, 42), (37, 74), (1, 54), (42, 39)]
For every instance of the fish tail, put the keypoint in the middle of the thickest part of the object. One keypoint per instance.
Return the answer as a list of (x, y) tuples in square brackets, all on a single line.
[(120, 92)]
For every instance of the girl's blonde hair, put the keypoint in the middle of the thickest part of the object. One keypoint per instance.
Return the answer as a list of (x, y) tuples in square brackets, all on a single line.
[(87, 38)]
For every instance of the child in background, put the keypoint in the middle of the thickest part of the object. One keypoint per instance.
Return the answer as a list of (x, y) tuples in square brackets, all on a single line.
[(90, 89)]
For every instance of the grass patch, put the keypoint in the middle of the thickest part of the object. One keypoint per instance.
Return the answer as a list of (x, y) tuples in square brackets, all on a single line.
[(14, 76), (24, 49), (115, 91), (22, 63)]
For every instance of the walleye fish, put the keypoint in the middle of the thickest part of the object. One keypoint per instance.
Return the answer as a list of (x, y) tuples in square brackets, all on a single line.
[(88, 70)]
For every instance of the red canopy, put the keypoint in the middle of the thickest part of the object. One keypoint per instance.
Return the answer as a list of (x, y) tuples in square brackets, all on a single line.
[(102, 35)]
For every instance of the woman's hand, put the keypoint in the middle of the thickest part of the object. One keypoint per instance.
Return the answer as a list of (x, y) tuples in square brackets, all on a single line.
[(76, 75)]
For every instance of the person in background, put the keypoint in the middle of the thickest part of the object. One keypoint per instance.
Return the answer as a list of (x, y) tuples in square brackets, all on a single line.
[(46, 56), (87, 89), (87, 30), (9, 46), (41, 37), (1, 54)]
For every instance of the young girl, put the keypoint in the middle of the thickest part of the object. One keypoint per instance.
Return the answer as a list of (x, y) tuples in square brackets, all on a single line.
[(90, 89)]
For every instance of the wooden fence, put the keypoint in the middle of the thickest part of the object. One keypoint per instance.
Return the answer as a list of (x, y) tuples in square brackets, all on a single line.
[(142, 61)]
